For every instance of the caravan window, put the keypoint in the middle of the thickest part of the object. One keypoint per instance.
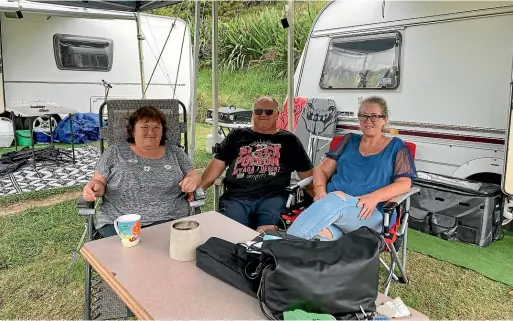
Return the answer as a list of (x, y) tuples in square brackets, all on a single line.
[(363, 62), (82, 53)]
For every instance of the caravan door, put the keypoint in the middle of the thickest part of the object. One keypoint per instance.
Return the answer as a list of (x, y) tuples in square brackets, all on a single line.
[(507, 175)]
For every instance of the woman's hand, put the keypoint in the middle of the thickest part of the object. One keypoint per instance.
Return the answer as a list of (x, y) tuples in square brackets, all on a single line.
[(92, 190), (320, 192), (368, 203), (188, 185)]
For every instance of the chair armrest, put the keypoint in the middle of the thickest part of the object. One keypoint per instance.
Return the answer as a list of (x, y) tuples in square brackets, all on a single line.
[(199, 198), (219, 182), (85, 208), (396, 201), (302, 183), (392, 204)]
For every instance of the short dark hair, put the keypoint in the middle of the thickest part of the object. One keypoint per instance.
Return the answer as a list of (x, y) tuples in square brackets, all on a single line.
[(149, 113)]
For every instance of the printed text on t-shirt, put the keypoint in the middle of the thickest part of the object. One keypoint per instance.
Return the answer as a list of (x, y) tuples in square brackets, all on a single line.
[(257, 160)]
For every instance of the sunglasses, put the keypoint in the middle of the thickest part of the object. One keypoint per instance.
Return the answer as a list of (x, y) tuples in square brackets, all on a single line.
[(373, 118), (259, 112)]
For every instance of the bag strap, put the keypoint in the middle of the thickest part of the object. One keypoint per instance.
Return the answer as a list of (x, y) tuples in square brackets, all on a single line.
[(260, 294)]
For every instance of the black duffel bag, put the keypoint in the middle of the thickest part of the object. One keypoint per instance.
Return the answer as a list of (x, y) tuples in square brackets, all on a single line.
[(338, 277)]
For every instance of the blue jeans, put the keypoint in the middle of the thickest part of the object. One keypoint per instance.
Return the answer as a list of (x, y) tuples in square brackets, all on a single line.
[(254, 212), (338, 215)]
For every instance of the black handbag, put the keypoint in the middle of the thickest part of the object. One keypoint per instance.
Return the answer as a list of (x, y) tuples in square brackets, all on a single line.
[(337, 277), (229, 262)]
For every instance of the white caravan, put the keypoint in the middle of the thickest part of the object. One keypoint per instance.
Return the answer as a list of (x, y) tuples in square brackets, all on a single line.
[(444, 68), (60, 54)]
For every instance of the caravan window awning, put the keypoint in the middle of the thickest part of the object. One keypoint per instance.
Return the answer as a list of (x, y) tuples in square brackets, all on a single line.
[(126, 5)]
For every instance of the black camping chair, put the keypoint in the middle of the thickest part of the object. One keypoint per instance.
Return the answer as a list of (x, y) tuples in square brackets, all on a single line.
[(100, 301)]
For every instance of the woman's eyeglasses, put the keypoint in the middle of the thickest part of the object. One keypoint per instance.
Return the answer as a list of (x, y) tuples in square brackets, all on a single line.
[(259, 112), (373, 118)]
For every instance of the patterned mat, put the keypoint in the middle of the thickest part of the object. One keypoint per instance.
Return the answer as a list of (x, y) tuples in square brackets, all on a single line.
[(48, 175)]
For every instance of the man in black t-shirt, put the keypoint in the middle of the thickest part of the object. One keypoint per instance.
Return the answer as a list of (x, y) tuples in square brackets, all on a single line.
[(260, 162)]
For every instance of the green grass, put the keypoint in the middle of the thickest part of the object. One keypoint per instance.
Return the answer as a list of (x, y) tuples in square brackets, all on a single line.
[(36, 246), (201, 157), (239, 89), (250, 34)]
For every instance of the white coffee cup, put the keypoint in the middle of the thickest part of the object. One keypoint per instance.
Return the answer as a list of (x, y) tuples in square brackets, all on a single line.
[(128, 227), (184, 238)]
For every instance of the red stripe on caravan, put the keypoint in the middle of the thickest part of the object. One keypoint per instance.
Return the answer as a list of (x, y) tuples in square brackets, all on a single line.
[(474, 139)]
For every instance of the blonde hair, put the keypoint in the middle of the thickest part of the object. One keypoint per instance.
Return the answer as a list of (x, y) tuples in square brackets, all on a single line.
[(376, 100), (382, 105)]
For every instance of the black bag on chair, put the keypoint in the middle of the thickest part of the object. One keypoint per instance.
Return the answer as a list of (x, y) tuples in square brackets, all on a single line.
[(333, 277)]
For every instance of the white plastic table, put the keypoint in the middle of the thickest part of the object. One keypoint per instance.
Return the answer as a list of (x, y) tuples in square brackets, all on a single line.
[(36, 109), (228, 126)]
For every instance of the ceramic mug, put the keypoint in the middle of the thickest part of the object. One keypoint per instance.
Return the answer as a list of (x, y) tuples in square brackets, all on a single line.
[(184, 238), (128, 228)]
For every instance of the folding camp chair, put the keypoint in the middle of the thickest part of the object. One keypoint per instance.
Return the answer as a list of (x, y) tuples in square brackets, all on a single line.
[(394, 233), (100, 301)]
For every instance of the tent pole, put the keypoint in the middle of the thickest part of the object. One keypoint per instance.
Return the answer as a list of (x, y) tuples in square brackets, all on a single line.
[(140, 39), (215, 103), (194, 106), (290, 65)]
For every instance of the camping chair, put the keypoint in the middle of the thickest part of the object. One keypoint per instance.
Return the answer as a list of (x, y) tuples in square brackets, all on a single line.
[(394, 233), (100, 300)]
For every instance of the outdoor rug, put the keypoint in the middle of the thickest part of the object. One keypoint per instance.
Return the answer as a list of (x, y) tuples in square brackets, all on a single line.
[(494, 261), (48, 175)]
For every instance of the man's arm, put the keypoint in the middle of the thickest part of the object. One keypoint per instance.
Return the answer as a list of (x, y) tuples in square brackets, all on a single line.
[(213, 171), (309, 187), (223, 156)]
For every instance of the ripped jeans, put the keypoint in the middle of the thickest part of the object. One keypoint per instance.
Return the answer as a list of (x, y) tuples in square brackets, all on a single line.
[(338, 215)]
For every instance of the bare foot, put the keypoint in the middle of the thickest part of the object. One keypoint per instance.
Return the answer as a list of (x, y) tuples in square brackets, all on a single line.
[(326, 233), (266, 227)]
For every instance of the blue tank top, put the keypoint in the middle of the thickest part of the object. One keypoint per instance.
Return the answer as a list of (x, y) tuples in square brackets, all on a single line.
[(357, 175)]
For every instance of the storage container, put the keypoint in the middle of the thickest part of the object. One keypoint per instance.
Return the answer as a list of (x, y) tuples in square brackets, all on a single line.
[(6, 132)]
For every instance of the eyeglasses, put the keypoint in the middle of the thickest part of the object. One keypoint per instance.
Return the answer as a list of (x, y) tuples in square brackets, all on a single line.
[(259, 112), (374, 118)]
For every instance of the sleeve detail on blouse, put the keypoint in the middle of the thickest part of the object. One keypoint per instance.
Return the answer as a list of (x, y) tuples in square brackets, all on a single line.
[(404, 165), (339, 148)]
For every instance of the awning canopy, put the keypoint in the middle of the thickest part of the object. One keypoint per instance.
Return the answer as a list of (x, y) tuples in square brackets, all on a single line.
[(122, 5)]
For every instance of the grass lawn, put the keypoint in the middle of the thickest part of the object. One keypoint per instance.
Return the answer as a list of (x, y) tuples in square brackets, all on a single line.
[(36, 246)]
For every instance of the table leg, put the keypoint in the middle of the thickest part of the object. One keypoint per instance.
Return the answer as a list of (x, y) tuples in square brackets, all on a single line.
[(56, 159), (13, 118), (51, 130), (73, 136)]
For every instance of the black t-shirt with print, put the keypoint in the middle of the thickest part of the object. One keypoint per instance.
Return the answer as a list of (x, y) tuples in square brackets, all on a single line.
[(260, 164)]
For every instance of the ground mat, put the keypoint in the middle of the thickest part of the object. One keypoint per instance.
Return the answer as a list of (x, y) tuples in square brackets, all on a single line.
[(48, 175), (494, 261)]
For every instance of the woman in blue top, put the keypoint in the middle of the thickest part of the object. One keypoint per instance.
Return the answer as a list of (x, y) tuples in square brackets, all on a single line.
[(356, 179)]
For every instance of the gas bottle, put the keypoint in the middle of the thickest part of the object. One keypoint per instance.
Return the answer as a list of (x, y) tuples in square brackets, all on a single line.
[(210, 141)]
